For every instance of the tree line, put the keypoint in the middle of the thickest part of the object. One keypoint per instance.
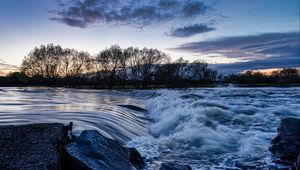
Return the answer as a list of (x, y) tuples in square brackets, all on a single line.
[(114, 67), (277, 77)]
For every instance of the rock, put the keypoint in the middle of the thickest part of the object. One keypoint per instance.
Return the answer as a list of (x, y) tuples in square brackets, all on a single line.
[(136, 159), (289, 127), (174, 166), (286, 145), (47, 147), (28, 147), (93, 151)]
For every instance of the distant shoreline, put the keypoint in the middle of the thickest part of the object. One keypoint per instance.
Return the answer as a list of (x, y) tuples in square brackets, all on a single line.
[(165, 87)]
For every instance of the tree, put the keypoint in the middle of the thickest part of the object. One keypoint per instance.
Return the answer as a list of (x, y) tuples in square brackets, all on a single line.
[(172, 74), (145, 63), (43, 61), (196, 70), (124, 64), (109, 61), (134, 64), (289, 72), (74, 63), (18, 78), (113, 67)]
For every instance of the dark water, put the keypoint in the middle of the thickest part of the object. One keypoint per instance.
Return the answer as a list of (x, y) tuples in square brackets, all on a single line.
[(215, 128)]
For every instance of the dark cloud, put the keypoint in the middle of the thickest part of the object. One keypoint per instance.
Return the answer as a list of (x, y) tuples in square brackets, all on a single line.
[(191, 30), (267, 63), (83, 13), (167, 4), (252, 44), (270, 50), (71, 22), (193, 8)]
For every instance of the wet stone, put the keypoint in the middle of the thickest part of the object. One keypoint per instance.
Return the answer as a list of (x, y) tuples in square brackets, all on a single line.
[(92, 151), (286, 145)]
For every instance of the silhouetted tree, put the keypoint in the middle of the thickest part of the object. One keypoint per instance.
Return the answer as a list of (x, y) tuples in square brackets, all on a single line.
[(124, 65), (172, 74), (109, 61), (134, 64), (283, 76), (53, 65), (198, 72), (74, 63), (43, 61), (289, 72), (145, 63)]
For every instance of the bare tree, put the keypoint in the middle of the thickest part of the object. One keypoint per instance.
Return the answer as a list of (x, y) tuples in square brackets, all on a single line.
[(43, 61), (109, 61), (134, 64), (196, 70), (172, 74), (74, 63), (144, 64), (116, 67)]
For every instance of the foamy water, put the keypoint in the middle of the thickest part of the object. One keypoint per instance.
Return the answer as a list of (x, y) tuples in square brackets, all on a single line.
[(216, 128), (206, 128)]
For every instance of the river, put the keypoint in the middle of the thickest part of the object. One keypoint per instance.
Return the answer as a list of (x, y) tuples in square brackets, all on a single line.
[(214, 128)]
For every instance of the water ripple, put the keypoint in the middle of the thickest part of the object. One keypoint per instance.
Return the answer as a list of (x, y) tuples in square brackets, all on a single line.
[(116, 114)]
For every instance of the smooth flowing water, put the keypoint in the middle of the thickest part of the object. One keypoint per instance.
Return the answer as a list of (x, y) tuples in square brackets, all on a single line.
[(206, 128), (115, 114)]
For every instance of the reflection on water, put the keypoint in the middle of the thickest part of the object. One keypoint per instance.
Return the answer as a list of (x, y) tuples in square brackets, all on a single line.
[(116, 114)]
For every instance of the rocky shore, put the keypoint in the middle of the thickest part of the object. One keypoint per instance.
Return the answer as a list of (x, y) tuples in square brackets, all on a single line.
[(49, 147), (52, 147)]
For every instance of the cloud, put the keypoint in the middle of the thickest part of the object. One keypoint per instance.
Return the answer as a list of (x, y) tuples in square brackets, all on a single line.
[(71, 22), (167, 4), (84, 13), (6, 68), (194, 8), (279, 62), (191, 30), (269, 50)]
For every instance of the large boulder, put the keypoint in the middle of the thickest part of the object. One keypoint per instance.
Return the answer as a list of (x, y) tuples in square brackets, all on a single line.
[(93, 151), (28, 147), (286, 145)]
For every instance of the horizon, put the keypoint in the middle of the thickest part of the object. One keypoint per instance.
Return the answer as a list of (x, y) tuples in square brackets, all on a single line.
[(255, 35)]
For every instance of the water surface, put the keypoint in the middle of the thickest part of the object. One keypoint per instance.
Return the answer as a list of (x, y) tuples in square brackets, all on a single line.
[(213, 128), (115, 114)]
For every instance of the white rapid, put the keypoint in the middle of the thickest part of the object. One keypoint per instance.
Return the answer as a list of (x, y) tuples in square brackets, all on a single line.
[(216, 128)]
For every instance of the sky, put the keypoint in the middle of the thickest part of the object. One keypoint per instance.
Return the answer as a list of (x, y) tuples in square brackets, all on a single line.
[(231, 35)]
